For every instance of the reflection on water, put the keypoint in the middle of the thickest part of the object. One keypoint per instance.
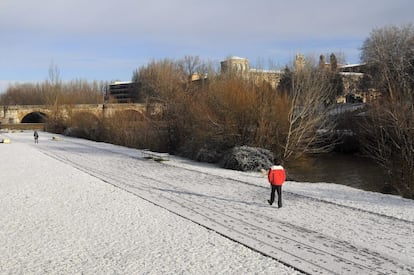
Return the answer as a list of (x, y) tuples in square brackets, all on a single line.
[(343, 169)]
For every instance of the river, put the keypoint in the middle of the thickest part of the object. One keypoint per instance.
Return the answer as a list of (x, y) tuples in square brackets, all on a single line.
[(343, 169)]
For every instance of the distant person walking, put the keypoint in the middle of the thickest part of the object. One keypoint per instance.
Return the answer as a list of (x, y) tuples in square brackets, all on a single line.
[(276, 177), (36, 137)]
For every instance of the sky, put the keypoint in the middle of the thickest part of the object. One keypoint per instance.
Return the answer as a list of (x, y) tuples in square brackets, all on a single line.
[(108, 40)]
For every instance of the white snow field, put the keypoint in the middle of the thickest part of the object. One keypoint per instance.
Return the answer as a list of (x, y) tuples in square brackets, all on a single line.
[(72, 206)]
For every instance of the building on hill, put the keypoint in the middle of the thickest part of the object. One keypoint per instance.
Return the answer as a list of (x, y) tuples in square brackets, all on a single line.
[(352, 68), (241, 66), (236, 65), (299, 63), (352, 75), (123, 92)]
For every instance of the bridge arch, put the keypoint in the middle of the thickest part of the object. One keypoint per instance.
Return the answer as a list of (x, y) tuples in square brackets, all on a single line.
[(84, 119), (84, 124), (35, 117)]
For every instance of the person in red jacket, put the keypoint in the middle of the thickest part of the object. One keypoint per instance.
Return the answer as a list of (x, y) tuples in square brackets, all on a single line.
[(276, 177)]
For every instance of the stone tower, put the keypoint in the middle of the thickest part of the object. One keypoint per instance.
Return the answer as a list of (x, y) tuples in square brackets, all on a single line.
[(299, 62), (236, 65)]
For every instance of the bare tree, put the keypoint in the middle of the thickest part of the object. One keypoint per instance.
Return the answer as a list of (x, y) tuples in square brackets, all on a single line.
[(53, 94), (389, 127), (389, 55), (189, 65), (159, 79), (310, 124), (23, 94), (163, 82)]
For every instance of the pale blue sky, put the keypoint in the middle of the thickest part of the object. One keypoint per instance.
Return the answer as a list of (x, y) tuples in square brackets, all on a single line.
[(109, 39)]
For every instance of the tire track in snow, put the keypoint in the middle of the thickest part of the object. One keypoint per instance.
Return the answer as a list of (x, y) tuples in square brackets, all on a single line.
[(228, 224), (139, 155), (298, 195)]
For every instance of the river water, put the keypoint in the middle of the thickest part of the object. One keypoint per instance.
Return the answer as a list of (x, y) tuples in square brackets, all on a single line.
[(338, 168)]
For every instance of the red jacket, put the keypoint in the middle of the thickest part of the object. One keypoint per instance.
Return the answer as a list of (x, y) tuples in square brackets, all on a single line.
[(276, 175)]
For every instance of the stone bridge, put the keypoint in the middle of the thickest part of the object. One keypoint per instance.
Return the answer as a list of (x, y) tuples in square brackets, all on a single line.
[(16, 114)]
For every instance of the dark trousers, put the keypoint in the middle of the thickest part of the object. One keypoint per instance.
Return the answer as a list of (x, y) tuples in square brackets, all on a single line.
[(277, 188)]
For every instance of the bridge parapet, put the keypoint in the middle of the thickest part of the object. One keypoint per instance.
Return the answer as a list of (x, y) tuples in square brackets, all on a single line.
[(14, 114)]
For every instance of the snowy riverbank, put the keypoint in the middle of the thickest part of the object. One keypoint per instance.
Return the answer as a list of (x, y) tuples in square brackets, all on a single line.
[(76, 206)]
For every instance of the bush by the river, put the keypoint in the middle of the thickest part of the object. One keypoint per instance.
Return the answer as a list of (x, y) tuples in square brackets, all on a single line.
[(245, 158)]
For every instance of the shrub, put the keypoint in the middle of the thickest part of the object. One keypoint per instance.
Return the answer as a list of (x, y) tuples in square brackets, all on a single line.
[(246, 158)]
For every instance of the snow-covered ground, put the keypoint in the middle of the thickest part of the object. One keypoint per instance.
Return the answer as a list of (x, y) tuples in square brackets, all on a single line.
[(75, 206)]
